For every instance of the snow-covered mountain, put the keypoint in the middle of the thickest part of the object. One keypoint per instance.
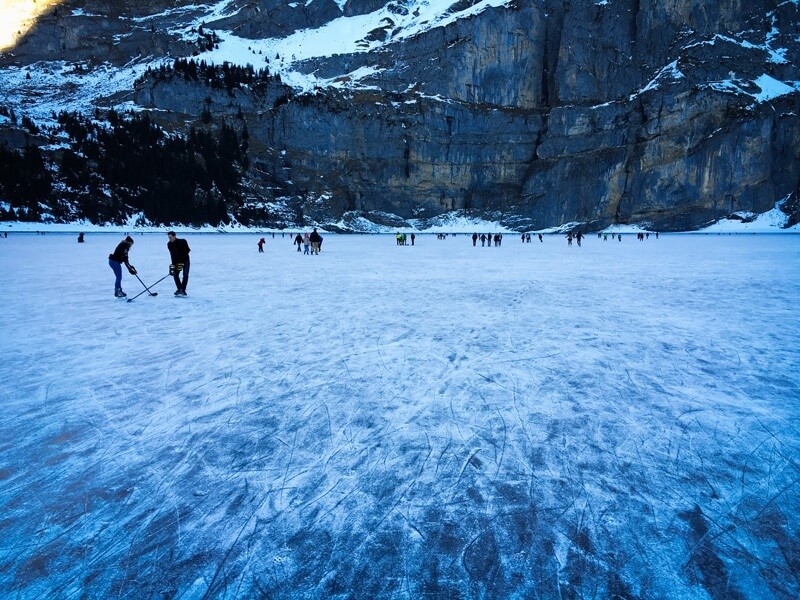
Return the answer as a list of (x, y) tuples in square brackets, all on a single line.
[(534, 114)]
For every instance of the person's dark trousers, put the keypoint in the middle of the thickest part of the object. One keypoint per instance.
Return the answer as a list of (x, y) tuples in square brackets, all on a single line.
[(117, 268), (181, 284)]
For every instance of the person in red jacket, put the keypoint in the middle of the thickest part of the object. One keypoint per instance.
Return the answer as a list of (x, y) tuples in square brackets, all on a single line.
[(179, 255)]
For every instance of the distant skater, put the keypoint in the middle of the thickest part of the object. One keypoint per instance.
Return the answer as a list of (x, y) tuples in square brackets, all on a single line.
[(541, 239), (261, 243), (179, 255), (306, 242), (118, 258), (578, 238), (413, 237), (298, 239), (569, 239), (474, 239), (80, 238)]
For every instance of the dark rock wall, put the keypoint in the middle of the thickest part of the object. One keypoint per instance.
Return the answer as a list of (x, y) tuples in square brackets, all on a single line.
[(603, 141)]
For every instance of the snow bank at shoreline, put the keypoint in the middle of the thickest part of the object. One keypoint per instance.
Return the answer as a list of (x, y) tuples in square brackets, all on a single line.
[(772, 221)]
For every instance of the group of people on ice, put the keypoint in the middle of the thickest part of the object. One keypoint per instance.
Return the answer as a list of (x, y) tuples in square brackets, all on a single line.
[(179, 263), (526, 238), (578, 237), (311, 242), (402, 240), (487, 237)]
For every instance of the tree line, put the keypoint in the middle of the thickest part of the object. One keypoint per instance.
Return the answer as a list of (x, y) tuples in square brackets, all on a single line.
[(124, 164), (225, 76)]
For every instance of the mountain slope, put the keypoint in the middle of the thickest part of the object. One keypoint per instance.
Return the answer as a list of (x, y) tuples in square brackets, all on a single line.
[(535, 114)]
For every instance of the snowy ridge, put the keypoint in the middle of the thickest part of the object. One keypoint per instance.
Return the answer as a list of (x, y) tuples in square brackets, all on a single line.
[(40, 89), (23, 87), (345, 35)]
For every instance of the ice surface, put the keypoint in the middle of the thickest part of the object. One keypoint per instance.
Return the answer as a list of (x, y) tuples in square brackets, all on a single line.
[(438, 421)]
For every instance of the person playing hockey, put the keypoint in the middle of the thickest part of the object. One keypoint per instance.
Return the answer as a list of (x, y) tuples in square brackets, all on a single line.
[(179, 255), (118, 258)]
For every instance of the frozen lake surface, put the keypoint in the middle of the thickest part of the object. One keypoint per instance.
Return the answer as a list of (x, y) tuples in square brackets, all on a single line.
[(439, 421)]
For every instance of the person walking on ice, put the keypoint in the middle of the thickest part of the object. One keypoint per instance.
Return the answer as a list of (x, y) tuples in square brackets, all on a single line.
[(118, 258), (261, 243), (315, 239), (179, 255)]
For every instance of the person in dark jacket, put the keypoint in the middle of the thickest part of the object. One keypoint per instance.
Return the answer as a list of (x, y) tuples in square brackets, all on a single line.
[(261, 243), (118, 258), (316, 241), (179, 255), (298, 240)]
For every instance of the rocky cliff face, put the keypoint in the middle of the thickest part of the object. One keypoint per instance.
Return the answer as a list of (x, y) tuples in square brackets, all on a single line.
[(536, 114)]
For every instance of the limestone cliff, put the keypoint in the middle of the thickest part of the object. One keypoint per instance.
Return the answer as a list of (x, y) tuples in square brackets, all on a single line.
[(536, 114)]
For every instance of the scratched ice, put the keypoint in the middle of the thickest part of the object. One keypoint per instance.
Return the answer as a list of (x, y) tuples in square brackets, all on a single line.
[(437, 421)]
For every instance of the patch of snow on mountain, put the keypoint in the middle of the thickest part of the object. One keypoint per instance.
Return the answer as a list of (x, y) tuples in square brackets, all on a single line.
[(777, 55), (671, 70), (309, 82), (769, 88), (345, 35), (43, 89)]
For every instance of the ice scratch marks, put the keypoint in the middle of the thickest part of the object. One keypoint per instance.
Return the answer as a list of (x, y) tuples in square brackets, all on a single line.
[(710, 569), (473, 461), (230, 549)]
